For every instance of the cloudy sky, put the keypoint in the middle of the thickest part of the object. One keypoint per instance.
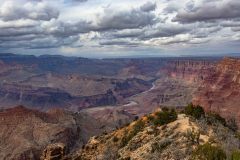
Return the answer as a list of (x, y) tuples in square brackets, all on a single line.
[(102, 28)]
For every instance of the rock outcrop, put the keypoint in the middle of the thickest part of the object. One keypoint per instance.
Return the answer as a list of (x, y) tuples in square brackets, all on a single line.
[(54, 152)]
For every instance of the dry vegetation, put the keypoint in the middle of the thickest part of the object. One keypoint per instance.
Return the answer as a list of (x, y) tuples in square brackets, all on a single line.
[(167, 135)]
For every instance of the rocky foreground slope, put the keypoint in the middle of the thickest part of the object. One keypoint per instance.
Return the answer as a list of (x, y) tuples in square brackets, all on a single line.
[(220, 90), (162, 135)]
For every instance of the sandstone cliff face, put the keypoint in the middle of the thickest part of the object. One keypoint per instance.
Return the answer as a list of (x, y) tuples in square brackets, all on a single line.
[(191, 71), (220, 90)]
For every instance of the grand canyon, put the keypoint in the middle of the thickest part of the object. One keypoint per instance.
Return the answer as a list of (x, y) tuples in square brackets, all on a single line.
[(119, 80), (49, 100)]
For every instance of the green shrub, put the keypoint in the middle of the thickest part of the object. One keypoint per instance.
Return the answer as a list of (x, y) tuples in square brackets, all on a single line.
[(165, 109), (214, 117), (195, 111), (125, 139), (150, 118), (235, 155), (165, 117), (232, 124), (208, 152), (188, 110), (137, 127)]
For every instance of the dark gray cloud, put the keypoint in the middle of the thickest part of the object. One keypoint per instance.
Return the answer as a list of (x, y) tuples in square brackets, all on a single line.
[(51, 42), (230, 23), (8, 32), (203, 32), (215, 10), (57, 24), (236, 29), (165, 30), (149, 6), (134, 18), (65, 29), (37, 42), (118, 43)]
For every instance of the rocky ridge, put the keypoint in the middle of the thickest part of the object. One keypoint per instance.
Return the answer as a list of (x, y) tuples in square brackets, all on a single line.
[(179, 139)]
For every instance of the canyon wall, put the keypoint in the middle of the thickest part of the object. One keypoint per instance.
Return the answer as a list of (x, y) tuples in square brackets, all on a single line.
[(191, 71), (25, 132), (220, 90)]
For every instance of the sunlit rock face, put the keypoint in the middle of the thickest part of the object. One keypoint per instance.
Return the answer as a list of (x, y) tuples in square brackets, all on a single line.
[(220, 90)]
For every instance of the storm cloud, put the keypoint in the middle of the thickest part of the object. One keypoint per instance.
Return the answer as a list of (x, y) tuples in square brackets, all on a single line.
[(228, 9), (115, 26)]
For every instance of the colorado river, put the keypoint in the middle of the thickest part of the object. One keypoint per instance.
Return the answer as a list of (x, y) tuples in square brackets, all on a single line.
[(133, 103)]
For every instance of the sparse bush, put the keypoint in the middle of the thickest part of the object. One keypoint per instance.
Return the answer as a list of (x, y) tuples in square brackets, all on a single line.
[(150, 118), (165, 109), (127, 158), (137, 127), (213, 118), (165, 117), (237, 135), (195, 111), (208, 152), (188, 110), (235, 155), (231, 124), (193, 136), (110, 152), (115, 139), (159, 146)]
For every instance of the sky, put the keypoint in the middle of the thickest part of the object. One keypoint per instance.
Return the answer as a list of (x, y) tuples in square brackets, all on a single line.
[(119, 28)]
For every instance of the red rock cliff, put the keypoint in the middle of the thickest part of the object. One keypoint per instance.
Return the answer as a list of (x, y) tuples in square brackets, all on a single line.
[(220, 90), (188, 70)]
